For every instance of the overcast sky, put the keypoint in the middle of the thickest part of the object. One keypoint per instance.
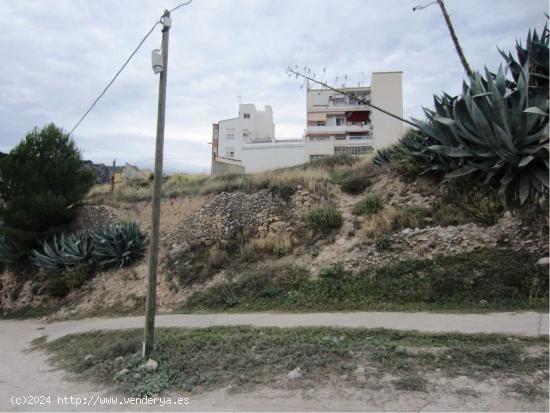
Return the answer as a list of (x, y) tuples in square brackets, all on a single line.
[(57, 55)]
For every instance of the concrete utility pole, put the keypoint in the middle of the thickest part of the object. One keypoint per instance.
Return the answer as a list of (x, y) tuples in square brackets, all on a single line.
[(150, 306)]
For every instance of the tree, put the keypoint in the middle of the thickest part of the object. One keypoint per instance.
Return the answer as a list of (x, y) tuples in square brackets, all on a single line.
[(41, 181)]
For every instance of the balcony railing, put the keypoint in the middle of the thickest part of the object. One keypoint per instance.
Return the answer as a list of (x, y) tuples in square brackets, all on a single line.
[(339, 129)]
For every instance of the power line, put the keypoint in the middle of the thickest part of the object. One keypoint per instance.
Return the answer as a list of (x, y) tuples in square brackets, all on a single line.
[(182, 4), (124, 66)]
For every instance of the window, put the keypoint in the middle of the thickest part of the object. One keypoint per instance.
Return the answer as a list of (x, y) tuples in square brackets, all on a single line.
[(230, 152), (315, 157), (246, 115), (352, 150), (341, 138), (319, 138), (321, 123), (247, 133), (339, 121)]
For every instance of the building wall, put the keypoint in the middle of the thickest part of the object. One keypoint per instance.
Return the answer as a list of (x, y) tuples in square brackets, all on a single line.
[(236, 132), (222, 167), (267, 156), (387, 93)]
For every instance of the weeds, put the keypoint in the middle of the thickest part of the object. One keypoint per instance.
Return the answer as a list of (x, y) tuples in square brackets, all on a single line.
[(213, 358), (484, 280), (324, 220), (371, 204)]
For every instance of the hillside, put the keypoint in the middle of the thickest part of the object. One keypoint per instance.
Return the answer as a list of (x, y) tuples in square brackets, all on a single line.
[(338, 234)]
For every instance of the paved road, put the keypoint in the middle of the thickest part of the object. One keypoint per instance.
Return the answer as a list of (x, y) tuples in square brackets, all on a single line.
[(523, 323), (27, 373)]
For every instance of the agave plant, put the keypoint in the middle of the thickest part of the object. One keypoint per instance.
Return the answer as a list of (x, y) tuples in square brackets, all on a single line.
[(498, 132), (118, 244), (65, 251), (535, 55), (384, 155), (411, 147)]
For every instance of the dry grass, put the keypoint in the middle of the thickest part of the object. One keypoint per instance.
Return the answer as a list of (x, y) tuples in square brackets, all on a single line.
[(318, 177), (392, 219), (274, 244)]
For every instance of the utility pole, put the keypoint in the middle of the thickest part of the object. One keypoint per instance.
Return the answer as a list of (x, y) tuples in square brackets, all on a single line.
[(451, 29), (150, 306), (113, 175)]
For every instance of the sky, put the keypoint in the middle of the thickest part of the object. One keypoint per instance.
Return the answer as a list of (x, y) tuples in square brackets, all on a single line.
[(57, 56)]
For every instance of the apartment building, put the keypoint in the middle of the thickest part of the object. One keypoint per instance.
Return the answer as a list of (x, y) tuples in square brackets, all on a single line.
[(247, 144), (337, 123)]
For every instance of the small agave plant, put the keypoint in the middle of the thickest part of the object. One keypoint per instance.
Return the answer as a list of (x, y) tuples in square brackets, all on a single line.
[(65, 251), (117, 245)]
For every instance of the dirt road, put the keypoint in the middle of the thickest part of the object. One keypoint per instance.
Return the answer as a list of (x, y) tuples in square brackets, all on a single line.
[(24, 372)]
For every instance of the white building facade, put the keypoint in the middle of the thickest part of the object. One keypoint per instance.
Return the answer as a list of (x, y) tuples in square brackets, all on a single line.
[(336, 124)]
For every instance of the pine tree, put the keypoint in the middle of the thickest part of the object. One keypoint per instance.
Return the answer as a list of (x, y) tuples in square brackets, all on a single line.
[(41, 181)]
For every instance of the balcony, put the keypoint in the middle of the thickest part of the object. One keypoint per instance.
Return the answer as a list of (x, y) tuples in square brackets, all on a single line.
[(338, 130)]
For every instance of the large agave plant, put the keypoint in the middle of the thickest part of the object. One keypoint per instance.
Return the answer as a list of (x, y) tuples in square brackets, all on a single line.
[(535, 55), (496, 131), (65, 251), (118, 244)]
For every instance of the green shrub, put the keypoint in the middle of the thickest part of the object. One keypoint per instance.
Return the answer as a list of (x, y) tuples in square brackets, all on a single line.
[(42, 179), (198, 264), (486, 279), (281, 248), (324, 219), (334, 272), (61, 283), (355, 185), (383, 244), (371, 204)]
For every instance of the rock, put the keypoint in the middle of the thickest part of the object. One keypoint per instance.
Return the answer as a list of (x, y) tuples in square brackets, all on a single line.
[(294, 374), (359, 372), (123, 372), (119, 359), (151, 364), (89, 357), (544, 261), (407, 231)]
